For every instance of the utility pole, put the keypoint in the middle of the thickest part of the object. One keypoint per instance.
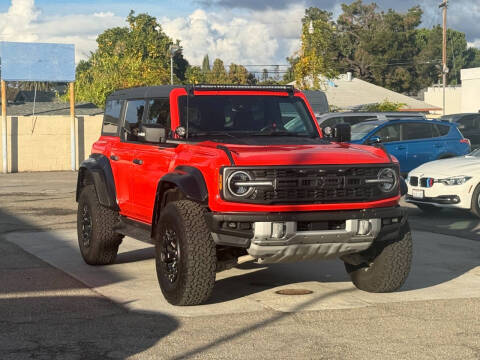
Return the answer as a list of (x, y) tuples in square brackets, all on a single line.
[(444, 5)]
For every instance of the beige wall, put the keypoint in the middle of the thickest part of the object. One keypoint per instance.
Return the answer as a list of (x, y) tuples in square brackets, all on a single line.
[(470, 90), (453, 98), (42, 143)]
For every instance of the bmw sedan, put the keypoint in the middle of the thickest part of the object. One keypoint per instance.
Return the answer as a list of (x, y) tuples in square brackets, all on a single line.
[(447, 183)]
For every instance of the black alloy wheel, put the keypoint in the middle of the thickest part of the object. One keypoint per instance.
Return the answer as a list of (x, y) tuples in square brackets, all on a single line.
[(170, 254), (86, 226)]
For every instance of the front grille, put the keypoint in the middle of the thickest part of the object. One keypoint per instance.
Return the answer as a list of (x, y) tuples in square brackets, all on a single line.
[(317, 185), (414, 181)]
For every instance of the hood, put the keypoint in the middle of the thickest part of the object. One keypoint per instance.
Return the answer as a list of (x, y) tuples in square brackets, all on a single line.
[(247, 155), (464, 165)]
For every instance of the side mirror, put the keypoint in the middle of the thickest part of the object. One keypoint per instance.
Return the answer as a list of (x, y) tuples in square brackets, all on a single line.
[(342, 132), (153, 134), (374, 140)]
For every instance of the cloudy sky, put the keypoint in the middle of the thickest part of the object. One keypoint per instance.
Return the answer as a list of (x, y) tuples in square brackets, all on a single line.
[(250, 32)]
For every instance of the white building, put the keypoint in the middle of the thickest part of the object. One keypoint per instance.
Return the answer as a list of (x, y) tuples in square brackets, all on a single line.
[(458, 99)]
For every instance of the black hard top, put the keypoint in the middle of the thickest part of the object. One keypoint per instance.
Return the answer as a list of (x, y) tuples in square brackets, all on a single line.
[(143, 92), (147, 92)]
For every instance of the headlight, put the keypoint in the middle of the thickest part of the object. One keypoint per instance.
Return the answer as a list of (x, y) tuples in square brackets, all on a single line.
[(387, 180), (455, 180), (238, 184)]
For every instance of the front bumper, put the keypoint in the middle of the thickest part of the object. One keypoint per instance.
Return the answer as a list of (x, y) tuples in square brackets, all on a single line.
[(440, 195), (288, 237)]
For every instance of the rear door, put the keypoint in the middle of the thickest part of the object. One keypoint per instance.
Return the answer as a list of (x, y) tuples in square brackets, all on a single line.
[(122, 154), (420, 144)]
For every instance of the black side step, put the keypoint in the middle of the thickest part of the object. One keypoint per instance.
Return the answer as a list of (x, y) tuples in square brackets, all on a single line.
[(134, 229)]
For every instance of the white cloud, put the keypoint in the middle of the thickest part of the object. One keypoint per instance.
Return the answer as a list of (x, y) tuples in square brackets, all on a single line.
[(25, 23), (247, 37)]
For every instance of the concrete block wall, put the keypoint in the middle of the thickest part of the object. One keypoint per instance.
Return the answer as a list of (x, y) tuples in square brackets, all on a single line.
[(42, 143)]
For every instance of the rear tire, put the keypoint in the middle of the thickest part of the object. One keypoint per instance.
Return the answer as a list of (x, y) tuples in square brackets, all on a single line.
[(388, 268), (476, 201), (97, 238), (185, 254)]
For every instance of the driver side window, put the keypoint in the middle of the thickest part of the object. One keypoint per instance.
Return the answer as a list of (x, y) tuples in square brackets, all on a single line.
[(389, 133)]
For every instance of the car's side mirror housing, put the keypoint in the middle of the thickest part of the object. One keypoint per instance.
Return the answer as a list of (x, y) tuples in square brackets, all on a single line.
[(373, 140), (342, 132), (153, 134)]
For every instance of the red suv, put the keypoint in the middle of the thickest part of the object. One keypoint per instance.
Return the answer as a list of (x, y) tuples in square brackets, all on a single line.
[(209, 173)]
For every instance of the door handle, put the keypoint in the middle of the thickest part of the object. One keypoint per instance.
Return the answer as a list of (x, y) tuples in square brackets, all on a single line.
[(438, 145), (401, 147), (114, 157), (138, 161)]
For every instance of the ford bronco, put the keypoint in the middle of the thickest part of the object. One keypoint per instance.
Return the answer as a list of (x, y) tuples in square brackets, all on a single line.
[(210, 173)]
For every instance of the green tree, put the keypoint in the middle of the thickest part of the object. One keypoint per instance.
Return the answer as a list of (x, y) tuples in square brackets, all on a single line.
[(239, 75), (385, 106), (218, 74), (206, 64), (318, 50), (195, 75), (136, 55)]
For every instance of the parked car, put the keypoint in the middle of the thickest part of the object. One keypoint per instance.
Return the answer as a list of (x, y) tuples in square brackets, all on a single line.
[(447, 183), (209, 173), (469, 125), (413, 142), (318, 101), (352, 118)]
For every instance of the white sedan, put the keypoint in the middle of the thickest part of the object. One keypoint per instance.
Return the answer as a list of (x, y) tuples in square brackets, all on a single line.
[(447, 183)]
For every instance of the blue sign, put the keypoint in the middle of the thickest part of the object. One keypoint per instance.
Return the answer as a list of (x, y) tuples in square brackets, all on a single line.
[(37, 62)]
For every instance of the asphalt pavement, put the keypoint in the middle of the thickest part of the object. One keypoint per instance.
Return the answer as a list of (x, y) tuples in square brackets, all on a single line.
[(53, 306)]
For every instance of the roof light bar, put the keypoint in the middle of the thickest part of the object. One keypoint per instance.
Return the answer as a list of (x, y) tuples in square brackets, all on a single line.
[(205, 87)]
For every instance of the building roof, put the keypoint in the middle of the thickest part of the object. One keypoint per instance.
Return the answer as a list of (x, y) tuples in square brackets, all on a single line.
[(51, 108), (355, 93)]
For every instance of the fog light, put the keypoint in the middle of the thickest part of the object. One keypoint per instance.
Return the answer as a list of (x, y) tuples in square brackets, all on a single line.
[(364, 227), (278, 230)]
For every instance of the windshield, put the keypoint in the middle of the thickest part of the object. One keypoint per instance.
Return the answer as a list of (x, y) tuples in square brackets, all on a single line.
[(246, 115), (361, 129)]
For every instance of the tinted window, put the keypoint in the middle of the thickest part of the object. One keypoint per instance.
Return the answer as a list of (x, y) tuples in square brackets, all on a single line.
[(468, 122), (245, 114), (111, 118), (443, 129), (389, 133), (332, 121), (158, 113), (133, 118), (361, 129), (415, 131)]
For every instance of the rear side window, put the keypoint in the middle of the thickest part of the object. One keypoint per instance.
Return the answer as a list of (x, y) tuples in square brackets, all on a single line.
[(468, 122), (158, 113), (133, 118), (414, 131), (443, 129), (111, 119)]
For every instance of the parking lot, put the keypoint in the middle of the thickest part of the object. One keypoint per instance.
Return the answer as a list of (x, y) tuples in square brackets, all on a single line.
[(55, 306)]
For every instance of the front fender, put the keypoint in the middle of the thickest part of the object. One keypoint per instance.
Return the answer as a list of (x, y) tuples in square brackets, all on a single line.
[(190, 183)]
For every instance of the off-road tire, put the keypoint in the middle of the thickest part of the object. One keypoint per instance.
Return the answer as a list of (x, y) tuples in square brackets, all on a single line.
[(475, 201), (426, 208), (197, 259), (389, 267), (101, 246)]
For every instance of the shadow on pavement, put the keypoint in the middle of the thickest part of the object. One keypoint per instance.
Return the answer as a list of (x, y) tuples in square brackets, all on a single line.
[(46, 314)]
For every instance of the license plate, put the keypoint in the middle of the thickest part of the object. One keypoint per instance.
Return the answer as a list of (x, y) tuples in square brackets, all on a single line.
[(418, 194)]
